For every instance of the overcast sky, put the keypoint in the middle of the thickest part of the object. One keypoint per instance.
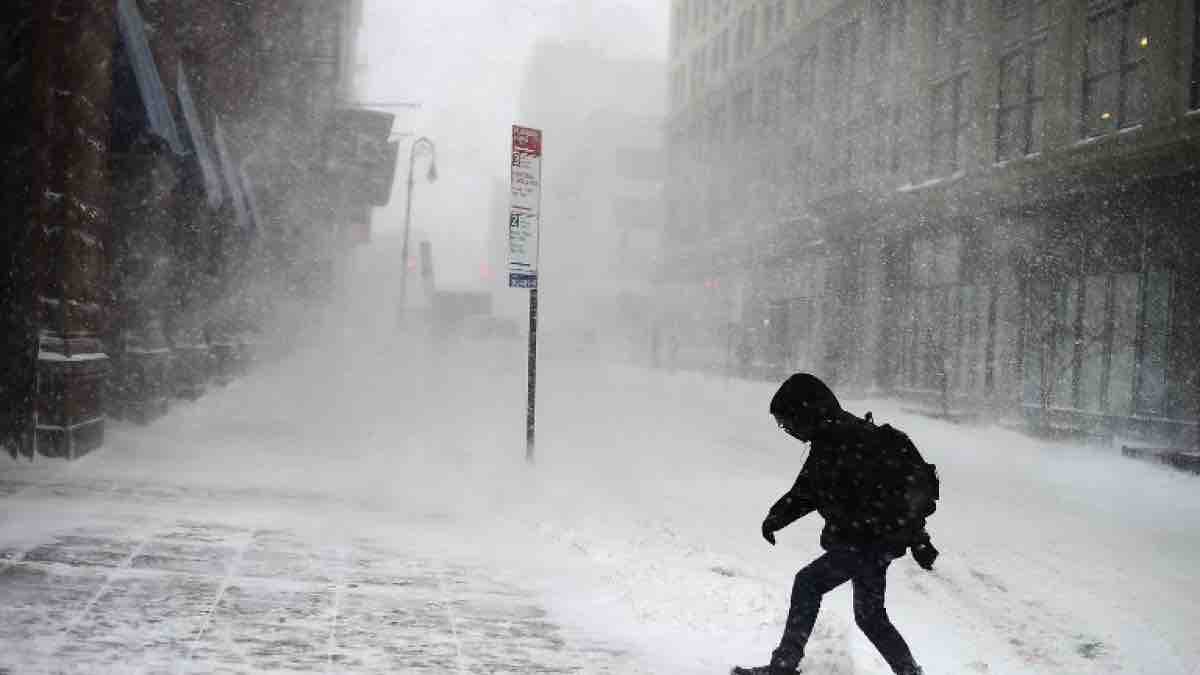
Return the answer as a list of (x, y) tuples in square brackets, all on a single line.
[(463, 61)]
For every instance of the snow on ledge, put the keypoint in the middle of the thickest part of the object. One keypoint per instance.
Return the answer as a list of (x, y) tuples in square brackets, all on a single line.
[(56, 357), (932, 182), (141, 351)]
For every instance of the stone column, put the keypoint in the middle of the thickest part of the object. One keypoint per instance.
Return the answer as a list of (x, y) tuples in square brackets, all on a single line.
[(144, 181), (189, 279), (18, 326), (228, 78), (72, 85)]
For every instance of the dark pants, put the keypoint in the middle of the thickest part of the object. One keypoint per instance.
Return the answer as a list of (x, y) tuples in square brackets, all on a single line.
[(868, 573)]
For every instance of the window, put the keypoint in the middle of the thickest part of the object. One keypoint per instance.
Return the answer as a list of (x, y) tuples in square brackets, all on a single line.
[(846, 111), (844, 67), (949, 19), (749, 27), (743, 111), (890, 18), (1155, 321), (769, 98), (949, 126), (773, 18), (1123, 351), (679, 86), (1195, 97), (1115, 95), (932, 313), (803, 80), (897, 150), (716, 129), (1099, 344), (739, 39), (802, 161), (679, 25), (884, 30), (1022, 77), (695, 134), (976, 325), (948, 109)]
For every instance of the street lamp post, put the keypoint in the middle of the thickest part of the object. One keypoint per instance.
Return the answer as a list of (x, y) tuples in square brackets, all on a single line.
[(420, 146)]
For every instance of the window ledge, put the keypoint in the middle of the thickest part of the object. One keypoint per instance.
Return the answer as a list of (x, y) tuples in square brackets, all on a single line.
[(1100, 138), (1031, 157), (933, 182)]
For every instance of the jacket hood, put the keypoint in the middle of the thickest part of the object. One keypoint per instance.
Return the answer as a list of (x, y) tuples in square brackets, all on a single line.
[(804, 394)]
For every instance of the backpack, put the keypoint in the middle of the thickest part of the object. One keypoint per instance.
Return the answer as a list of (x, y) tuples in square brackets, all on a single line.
[(871, 485), (909, 486)]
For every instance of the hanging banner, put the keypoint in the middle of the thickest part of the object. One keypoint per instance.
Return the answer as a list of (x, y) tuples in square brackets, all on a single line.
[(524, 207)]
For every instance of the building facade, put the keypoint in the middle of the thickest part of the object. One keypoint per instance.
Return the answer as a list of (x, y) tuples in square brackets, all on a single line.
[(985, 203), (171, 172)]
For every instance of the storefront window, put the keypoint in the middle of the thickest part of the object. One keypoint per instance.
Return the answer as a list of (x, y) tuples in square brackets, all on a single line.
[(1095, 344), (932, 355), (1037, 336), (925, 343), (1121, 366), (1152, 371), (976, 324), (1063, 374)]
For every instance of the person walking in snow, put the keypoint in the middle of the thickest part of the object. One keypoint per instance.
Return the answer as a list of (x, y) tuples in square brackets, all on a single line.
[(874, 491)]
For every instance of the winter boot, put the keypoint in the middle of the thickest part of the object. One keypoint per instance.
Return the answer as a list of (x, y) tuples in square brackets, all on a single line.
[(763, 670)]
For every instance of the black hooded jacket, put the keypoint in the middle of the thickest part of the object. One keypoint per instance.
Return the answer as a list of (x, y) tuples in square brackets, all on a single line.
[(853, 477), (849, 488)]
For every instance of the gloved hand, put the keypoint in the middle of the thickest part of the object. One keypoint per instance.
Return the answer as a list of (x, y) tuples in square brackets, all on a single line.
[(924, 553), (768, 531)]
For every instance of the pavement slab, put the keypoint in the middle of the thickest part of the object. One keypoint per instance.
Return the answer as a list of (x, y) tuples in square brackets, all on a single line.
[(133, 581)]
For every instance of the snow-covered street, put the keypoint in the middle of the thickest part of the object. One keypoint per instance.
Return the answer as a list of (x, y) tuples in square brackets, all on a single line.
[(285, 282), (373, 513)]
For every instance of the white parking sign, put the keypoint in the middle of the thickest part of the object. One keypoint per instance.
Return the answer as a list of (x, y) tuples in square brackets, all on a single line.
[(524, 206)]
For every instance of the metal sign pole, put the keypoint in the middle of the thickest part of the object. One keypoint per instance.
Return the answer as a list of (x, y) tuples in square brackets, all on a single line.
[(524, 213), (531, 403)]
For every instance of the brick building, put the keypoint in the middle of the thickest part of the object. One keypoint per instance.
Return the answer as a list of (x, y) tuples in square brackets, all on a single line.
[(984, 203), (170, 169)]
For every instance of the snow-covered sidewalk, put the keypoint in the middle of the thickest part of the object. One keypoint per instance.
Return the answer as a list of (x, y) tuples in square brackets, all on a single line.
[(104, 576), (369, 510)]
